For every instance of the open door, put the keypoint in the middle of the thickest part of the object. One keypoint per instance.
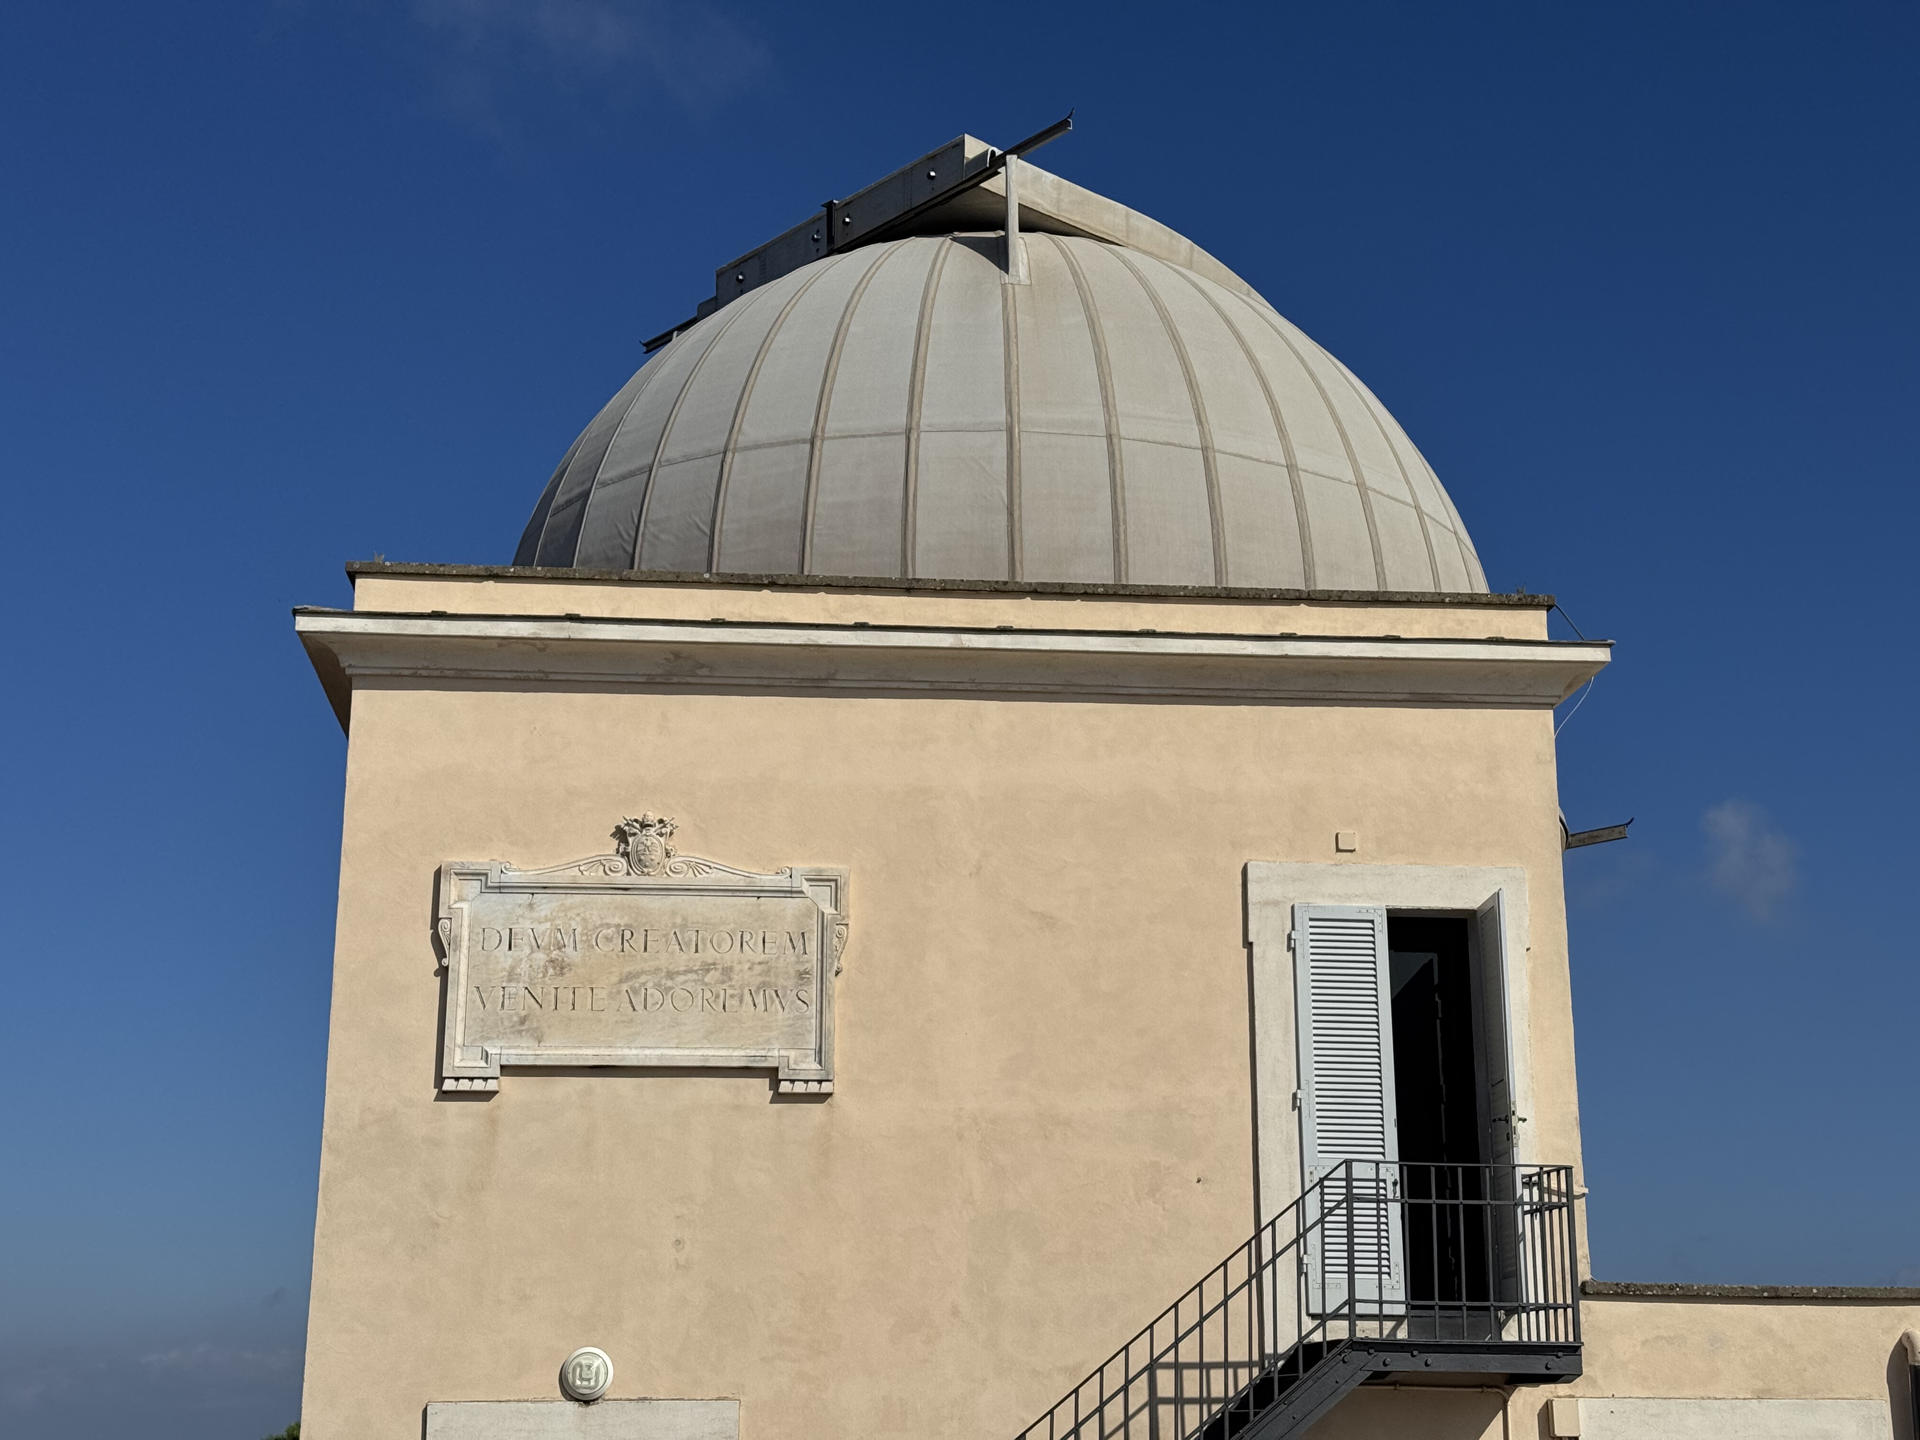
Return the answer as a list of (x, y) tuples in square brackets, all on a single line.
[(1495, 1048), (1355, 1250)]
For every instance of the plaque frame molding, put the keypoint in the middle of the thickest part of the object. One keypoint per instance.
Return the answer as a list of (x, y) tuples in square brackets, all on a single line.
[(636, 870)]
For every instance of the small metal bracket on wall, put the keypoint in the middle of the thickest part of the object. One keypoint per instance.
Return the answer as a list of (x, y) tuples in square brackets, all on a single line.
[(1574, 839)]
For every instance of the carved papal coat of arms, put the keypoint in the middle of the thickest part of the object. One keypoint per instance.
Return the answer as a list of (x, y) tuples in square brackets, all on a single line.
[(645, 844)]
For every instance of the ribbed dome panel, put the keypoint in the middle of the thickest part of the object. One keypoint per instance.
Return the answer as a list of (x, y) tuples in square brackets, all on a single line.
[(900, 411)]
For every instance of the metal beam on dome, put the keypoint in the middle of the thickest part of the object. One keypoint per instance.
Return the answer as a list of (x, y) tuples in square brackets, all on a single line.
[(888, 207)]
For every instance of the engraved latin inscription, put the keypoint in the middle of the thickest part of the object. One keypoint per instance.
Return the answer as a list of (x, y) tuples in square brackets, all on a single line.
[(642, 958)]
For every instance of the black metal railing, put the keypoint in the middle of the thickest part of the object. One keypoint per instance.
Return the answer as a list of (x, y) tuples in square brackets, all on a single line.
[(1373, 1255)]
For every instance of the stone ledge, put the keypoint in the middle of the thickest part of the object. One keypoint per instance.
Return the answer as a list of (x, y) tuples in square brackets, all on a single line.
[(349, 646), (1674, 1290)]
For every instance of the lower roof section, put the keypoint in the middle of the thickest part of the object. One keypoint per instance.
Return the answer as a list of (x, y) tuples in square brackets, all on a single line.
[(1677, 1290)]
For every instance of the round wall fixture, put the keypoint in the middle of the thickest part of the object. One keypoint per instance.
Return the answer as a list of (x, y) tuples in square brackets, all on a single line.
[(586, 1374)]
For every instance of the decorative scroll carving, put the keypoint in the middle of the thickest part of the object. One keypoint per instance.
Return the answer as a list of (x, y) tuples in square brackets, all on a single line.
[(641, 959)]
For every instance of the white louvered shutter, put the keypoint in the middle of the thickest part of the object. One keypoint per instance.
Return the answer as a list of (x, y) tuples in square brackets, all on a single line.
[(1490, 936), (1349, 1144)]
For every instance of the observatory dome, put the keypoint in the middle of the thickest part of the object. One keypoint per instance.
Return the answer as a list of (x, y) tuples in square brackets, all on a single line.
[(903, 410)]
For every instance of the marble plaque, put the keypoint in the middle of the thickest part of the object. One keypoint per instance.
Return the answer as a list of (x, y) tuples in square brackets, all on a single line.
[(641, 959)]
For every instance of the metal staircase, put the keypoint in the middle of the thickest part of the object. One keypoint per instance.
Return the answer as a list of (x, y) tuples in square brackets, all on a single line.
[(1379, 1272)]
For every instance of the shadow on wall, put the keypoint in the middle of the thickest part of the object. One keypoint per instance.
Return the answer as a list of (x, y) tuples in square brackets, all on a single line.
[(1903, 1386), (1437, 1411)]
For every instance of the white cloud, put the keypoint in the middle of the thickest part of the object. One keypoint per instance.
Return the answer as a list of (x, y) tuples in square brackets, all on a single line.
[(618, 51), (1749, 858)]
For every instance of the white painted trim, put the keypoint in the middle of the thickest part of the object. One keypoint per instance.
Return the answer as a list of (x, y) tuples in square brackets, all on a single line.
[(1273, 889), (1715, 1418), (349, 646), (873, 637), (568, 1420)]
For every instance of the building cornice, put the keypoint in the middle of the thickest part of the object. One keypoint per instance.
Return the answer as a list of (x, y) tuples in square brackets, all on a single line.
[(895, 585), (351, 647)]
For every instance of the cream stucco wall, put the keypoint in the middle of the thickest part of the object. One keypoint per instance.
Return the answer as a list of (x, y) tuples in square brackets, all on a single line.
[(1043, 1129), (1045, 1124), (1760, 1348), (1725, 1368)]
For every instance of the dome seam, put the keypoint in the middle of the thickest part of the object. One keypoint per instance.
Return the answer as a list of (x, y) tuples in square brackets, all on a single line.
[(1397, 436), (916, 395), (666, 433), (1103, 369), (1456, 527), (1209, 461), (732, 446), (1346, 444), (544, 507), (816, 443), (1476, 573), (1279, 429), (1414, 498), (583, 493), (1371, 404), (600, 470)]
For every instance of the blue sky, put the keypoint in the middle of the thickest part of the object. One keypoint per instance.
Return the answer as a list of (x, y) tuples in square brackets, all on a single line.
[(284, 285)]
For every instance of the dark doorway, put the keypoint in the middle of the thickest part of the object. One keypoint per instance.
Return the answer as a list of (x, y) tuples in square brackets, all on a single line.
[(1442, 1133)]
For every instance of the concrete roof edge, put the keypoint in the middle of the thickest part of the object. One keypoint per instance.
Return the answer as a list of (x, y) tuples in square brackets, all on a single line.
[(912, 660), (1676, 1290), (1050, 197), (330, 672), (1522, 601)]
